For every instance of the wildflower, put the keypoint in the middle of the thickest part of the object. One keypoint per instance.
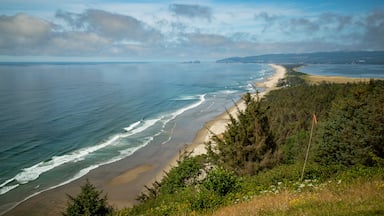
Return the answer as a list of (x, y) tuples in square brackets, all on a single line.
[(294, 202)]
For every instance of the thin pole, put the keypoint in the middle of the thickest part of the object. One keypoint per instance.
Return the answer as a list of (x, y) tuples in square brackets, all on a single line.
[(309, 145)]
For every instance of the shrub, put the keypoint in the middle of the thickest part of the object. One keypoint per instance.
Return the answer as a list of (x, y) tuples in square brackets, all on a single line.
[(221, 182), (186, 173), (205, 200)]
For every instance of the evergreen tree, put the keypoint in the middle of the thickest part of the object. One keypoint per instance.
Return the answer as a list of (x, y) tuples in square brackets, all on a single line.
[(88, 203), (248, 145), (354, 133)]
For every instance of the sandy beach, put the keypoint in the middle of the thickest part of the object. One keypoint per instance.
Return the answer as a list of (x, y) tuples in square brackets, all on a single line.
[(218, 125), (124, 180)]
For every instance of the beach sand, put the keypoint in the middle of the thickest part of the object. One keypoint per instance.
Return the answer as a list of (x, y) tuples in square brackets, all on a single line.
[(219, 124), (124, 180)]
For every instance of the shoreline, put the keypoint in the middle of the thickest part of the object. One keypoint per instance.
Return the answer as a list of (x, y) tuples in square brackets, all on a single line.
[(124, 180), (219, 123)]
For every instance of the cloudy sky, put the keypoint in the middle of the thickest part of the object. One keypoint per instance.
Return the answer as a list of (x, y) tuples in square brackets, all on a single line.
[(185, 30)]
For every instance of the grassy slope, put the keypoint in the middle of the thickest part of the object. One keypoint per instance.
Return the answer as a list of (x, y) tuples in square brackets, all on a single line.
[(360, 197)]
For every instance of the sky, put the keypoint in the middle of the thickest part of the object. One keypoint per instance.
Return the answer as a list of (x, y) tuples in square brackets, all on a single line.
[(133, 30)]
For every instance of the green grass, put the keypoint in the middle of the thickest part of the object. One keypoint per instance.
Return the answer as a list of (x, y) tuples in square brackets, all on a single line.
[(356, 191), (361, 196)]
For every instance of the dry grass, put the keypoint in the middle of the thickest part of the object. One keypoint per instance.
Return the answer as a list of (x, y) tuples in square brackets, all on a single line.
[(359, 198), (314, 79)]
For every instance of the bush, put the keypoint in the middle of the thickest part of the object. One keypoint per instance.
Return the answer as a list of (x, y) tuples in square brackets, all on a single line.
[(183, 175), (221, 182), (206, 200)]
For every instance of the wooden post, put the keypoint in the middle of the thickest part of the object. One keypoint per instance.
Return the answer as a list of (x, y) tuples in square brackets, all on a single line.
[(314, 120)]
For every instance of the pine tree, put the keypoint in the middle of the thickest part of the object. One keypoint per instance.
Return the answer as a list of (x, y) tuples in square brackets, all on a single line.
[(247, 146), (354, 133), (88, 203)]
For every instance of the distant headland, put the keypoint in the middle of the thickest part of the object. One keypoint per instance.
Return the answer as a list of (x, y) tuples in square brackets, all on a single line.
[(340, 57)]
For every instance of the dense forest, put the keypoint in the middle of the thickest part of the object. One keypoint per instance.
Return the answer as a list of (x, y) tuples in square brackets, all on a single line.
[(264, 148)]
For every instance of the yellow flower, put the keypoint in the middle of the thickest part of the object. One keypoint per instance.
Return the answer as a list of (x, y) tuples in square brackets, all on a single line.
[(294, 202)]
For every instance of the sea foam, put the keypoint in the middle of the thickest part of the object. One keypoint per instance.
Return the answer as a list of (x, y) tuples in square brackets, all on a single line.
[(182, 110), (132, 126), (32, 173)]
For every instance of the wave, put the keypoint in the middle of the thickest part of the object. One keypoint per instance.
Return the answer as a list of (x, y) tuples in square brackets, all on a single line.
[(227, 91), (7, 182), (182, 110), (145, 124), (123, 154), (5, 189), (170, 135), (132, 126), (32, 173), (78, 175), (187, 97), (250, 88)]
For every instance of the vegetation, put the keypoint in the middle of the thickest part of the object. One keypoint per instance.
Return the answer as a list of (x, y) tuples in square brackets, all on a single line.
[(248, 145), (88, 202), (334, 197), (293, 77), (255, 166), (353, 135)]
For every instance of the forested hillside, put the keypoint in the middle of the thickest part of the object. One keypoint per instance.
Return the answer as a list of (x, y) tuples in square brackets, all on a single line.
[(276, 129)]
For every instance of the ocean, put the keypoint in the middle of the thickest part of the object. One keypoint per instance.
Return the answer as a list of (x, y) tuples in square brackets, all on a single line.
[(350, 70), (59, 121)]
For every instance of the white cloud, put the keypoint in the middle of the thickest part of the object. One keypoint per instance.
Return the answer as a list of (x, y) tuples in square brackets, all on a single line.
[(74, 43), (23, 30), (202, 29), (110, 25)]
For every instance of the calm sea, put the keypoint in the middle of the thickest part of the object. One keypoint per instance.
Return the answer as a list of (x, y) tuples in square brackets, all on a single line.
[(59, 121), (350, 70)]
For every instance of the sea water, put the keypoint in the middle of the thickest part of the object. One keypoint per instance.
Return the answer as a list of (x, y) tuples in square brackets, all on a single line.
[(58, 121)]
